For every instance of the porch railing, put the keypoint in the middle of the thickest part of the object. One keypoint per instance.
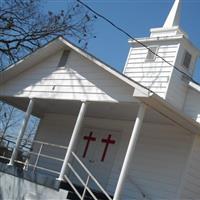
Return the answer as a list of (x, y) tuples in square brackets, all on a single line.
[(31, 153), (85, 183), (37, 154)]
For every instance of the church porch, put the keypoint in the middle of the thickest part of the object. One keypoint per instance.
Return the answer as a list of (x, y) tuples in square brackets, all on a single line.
[(102, 143)]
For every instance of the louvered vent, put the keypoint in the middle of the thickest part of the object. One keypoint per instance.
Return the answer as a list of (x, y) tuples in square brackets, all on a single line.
[(187, 59)]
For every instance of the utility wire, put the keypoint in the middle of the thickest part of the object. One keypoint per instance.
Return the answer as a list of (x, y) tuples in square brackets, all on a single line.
[(142, 44), (127, 34)]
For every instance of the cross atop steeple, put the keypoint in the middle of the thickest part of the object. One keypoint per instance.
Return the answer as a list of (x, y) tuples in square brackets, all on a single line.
[(173, 18)]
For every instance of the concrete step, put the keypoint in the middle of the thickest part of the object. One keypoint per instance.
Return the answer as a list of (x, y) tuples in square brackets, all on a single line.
[(72, 195)]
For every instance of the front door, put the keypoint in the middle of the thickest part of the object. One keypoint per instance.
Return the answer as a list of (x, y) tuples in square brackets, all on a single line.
[(97, 149)]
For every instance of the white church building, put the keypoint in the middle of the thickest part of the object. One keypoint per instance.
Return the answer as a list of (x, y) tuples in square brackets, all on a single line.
[(104, 134)]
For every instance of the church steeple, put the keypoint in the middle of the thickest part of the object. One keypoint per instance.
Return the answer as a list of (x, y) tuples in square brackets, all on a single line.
[(171, 26), (172, 45), (173, 18)]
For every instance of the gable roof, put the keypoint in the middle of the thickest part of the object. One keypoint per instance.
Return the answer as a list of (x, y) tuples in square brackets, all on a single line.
[(140, 92), (59, 44)]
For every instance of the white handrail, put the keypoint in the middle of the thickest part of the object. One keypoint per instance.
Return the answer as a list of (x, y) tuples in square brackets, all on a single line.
[(44, 169), (46, 156), (85, 189), (39, 154), (91, 176), (72, 185), (50, 144), (80, 179)]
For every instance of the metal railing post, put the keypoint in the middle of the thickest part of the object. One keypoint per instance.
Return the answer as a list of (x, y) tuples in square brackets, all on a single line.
[(85, 187), (38, 156)]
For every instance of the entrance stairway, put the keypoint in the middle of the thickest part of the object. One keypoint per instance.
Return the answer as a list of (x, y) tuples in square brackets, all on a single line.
[(84, 191), (73, 196), (79, 183)]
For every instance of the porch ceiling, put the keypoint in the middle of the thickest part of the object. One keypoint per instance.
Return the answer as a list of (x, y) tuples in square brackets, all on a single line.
[(118, 111)]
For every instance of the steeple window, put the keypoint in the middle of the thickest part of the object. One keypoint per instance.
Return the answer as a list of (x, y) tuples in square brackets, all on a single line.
[(151, 53)]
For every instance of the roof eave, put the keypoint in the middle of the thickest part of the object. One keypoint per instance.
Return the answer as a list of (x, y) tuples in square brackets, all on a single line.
[(177, 116)]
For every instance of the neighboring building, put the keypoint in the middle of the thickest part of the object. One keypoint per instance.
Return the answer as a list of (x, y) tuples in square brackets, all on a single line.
[(137, 133)]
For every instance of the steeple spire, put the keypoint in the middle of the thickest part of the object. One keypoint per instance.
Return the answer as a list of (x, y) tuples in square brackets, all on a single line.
[(174, 15)]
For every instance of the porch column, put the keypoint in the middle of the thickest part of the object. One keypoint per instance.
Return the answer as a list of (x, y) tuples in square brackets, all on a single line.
[(22, 131), (129, 152), (73, 139)]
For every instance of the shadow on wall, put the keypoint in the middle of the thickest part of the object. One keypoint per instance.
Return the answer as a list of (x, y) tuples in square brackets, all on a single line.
[(1, 197)]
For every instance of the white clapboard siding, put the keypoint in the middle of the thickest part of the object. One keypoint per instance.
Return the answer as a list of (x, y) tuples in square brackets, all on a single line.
[(158, 60), (79, 79), (154, 74), (151, 79), (144, 55), (68, 89), (149, 65), (177, 90), (151, 73), (191, 183), (158, 162), (163, 48), (192, 104), (148, 69)]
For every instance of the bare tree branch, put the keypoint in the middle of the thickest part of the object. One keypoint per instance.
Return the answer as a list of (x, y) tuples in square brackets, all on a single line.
[(25, 27)]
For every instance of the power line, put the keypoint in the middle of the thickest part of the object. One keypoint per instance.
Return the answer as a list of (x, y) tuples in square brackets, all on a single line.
[(127, 34), (142, 44)]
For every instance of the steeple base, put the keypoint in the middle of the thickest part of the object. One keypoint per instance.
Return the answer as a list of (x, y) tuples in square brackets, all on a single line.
[(167, 32)]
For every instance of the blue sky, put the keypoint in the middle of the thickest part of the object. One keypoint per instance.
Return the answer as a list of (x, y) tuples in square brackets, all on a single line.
[(136, 17)]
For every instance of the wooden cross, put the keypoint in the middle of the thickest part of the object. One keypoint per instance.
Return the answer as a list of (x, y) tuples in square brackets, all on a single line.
[(107, 141), (89, 139)]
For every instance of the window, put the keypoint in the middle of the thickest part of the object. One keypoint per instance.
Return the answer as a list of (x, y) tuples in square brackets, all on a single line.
[(63, 59), (187, 59), (151, 53)]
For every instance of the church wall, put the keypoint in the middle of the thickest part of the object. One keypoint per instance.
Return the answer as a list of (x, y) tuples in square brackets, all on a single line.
[(15, 188), (158, 161), (157, 75), (178, 87), (153, 74), (177, 90), (192, 106), (78, 79), (191, 181)]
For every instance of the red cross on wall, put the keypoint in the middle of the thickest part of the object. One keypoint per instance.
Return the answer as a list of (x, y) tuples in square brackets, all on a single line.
[(107, 141), (89, 139)]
